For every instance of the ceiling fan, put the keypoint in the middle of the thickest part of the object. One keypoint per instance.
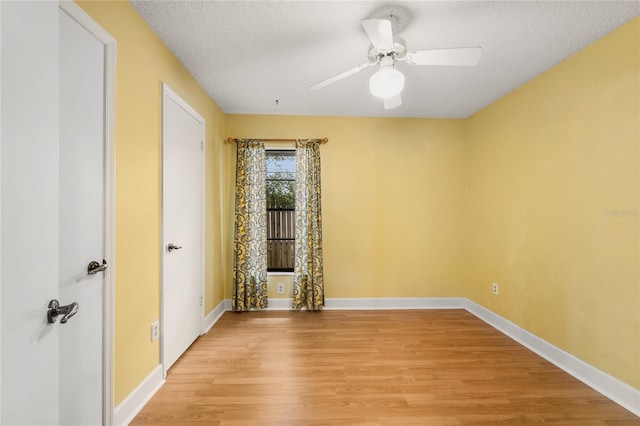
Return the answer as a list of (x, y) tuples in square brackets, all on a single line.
[(387, 83)]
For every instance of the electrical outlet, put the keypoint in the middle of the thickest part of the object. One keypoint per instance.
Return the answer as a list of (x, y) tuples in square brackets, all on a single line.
[(495, 288), (155, 330), (280, 289)]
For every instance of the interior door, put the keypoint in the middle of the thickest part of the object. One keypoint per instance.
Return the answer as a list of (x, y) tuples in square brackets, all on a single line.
[(182, 183), (52, 164), (81, 222)]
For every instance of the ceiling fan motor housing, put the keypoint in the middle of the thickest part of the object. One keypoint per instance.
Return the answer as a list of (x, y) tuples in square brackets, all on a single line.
[(399, 51)]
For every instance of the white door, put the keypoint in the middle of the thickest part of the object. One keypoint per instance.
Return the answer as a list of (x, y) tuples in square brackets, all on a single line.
[(53, 192), (182, 215), (81, 218)]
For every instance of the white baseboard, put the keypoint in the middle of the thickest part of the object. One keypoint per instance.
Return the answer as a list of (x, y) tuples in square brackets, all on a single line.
[(614, 389), (213, 316), (384, 303), (283, 304), (374, 303), (128, 409)]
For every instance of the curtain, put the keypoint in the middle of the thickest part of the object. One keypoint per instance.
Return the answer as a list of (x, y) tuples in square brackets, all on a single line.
[(250, 238), (308, 279)]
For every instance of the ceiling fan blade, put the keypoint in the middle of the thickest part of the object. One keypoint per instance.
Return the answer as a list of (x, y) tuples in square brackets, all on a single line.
[(340, 76), (393, 102), (380, 32), (464, 56)]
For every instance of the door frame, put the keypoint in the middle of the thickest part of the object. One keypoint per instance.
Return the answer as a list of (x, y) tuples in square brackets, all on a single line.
[(110, 46), (168, 93)]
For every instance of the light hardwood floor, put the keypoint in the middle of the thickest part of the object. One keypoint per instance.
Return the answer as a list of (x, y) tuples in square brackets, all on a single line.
[(422, 367)]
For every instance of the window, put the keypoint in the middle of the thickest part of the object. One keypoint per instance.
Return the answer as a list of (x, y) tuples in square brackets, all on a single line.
[(281, 183)]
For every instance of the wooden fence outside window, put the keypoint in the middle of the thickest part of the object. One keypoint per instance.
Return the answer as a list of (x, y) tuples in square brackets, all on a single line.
[(281, 234)]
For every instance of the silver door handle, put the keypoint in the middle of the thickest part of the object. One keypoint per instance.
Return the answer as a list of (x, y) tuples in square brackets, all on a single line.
[(94, 267), (171, 247), (66, 311)]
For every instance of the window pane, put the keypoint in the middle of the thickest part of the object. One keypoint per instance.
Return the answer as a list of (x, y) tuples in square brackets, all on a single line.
[(281, 175), (280, 209)]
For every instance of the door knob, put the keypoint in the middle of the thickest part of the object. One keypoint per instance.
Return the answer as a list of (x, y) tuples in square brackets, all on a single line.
[(171, 247), (66, 311), (94, 267)]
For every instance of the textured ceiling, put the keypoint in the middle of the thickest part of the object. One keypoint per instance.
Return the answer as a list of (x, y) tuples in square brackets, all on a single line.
[(247, 54)]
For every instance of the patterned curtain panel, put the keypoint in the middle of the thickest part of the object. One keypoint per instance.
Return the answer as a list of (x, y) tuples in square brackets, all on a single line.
[(308, 278), (250, 239)]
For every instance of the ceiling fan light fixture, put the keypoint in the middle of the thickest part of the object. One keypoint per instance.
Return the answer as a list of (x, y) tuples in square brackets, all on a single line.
[(386, 83)]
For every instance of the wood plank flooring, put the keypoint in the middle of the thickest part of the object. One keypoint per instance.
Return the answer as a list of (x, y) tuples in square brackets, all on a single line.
[(422, 367)]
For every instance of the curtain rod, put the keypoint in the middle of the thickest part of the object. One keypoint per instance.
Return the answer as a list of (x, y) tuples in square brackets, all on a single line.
[(231, 140)]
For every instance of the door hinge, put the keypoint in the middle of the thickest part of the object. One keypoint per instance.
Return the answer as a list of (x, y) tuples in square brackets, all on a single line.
[(201, 145), (201, 300)]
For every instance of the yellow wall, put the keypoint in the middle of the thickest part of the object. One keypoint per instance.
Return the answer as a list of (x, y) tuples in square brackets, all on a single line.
[(548, 167), (143, 63), (392, 201)]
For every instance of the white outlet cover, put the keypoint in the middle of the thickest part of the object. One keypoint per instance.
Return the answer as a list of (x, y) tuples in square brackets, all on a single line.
[(155, 331)]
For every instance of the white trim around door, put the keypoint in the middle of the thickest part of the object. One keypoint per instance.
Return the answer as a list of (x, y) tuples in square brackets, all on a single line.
[(110, 48)]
